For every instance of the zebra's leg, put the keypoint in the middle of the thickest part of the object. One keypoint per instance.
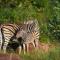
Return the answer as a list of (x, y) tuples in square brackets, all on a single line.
[(33, 44), (20, 49), (5, 44), (24, 48), (1, 41), (27, 47), (0, 44), (36, 44)]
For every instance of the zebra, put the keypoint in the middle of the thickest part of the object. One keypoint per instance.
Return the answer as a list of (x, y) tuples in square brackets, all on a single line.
[(8, 31), (30, 35), (33, 32), (0, 38)]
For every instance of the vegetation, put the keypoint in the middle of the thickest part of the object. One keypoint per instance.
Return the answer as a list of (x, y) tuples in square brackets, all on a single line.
[(47, 12), (52, 54)]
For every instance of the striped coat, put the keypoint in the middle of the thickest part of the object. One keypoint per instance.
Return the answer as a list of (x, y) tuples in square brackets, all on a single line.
[(29, 30), (30, 35), (8, 31)]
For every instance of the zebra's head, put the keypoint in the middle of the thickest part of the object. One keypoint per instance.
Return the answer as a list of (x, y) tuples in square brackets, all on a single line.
[(21, 34)]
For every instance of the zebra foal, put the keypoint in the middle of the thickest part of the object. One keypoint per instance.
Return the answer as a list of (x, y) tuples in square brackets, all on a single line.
[(30, 35)]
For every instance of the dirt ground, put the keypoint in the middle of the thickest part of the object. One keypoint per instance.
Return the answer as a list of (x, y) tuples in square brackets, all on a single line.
[(9, 57)]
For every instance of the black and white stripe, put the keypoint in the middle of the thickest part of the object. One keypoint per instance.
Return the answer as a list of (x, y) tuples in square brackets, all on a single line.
[(8, 31), (30, 35), (29, 31)]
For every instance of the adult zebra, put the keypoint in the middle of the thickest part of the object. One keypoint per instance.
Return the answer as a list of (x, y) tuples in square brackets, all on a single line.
[(8, 31), (30, 35)]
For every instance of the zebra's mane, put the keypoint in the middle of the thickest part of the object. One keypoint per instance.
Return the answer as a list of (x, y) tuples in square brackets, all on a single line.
[(33, 24)]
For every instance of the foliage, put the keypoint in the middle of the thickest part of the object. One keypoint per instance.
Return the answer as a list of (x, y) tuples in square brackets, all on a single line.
[(47, 12)]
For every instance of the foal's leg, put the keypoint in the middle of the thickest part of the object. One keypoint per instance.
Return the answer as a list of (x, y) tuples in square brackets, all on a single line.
[(24, 48)]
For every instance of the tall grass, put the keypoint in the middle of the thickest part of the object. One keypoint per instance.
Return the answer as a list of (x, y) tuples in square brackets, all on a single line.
[(52, 54)]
